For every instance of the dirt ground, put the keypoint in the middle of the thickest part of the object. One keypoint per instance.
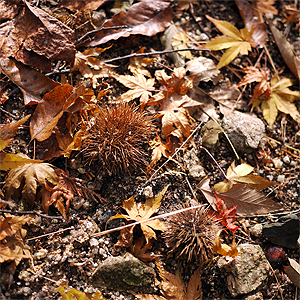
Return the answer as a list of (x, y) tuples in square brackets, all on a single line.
[(70, 257)]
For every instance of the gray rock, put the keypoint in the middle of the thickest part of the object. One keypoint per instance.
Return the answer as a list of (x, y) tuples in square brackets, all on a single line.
[(244, 131), (285, 232), (246, 271), (193, 164), (124, 273)]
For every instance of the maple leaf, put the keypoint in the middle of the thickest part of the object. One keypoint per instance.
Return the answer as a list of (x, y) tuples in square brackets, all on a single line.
[(224, 249), (90, 66), (26, 179), (144, 212), (8, 131), (174, 288), (241, 173), (138, 64), (159, 149), (69, 293), (256, 75), (139, 87), (281, 99), (238, 41)]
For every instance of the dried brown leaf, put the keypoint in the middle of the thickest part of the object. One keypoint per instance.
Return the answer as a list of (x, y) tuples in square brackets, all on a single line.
[(82, 5), (8, 131), (26, 179), (148, 18), (293, 272), (9, 161)]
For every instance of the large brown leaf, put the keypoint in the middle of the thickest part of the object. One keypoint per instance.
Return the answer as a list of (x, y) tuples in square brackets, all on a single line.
[(26, 179), (52, 107), (148, 17), (82, 4), (33, 37), (31, 82), (249, 201)]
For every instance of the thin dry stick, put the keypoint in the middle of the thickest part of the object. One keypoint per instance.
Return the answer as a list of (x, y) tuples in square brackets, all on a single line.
[(145, 221), (152, 53), (30, 212), (55, 232), (278, 285), (97, 30), (270, 58)]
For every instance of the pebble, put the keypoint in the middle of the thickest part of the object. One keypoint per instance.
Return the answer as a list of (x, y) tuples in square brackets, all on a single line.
[(94, 242), (42, 253), (286, 159), (281, 178), (277, 163), (148, 192), (203, 37), (256, 230), (293, 163)]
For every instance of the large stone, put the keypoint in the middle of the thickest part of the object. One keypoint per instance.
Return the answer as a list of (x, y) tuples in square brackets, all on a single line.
[(285, 232), (246, 271), (244, 131), (124, 273)]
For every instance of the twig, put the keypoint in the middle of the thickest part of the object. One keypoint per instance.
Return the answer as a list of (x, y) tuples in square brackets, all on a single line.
[(56, 72), (145, 221), (55, 232), (270, 58), (152, 53), (97, 30), (8, 113), (30, 212)]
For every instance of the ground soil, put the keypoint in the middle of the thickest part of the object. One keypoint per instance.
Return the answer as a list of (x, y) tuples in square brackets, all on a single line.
[(82, 259)]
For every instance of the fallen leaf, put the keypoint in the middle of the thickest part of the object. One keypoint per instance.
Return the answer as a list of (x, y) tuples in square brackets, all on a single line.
[(10, 161), (259, 29), (281, 99), (10, 225), (26, 179), (8, 131), (266, 6), (148, 18), (180, 41), (69, 293), (285, 48), (82, 5), (137, 64), (249, 201), (194, 288), (293, 272), (241, 174), (60, 196), (238, 41), (159, 149), (139, 87), (293, 14), (144, 212), (33, 37), (224, 249), (52, 107), (90, 66), (32, 83), (149, 297)]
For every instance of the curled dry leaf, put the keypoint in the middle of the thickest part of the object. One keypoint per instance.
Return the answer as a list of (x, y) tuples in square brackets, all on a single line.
[(293, 272), (26, 179), (241, 174), (144, 212), (224, 249), (31, 82), (33, 37), (52, 107), (285, 49), (8, 131), (148, 18)]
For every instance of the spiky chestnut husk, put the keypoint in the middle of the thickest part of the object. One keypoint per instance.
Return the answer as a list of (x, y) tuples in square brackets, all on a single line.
[(191, 234), (115, 139)]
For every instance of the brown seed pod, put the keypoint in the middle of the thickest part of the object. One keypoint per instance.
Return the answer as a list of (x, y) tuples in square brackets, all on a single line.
[(191, 234), (115, 138)]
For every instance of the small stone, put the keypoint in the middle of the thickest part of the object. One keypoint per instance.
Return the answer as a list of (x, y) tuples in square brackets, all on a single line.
[(148, 192), (277, 163), (293, 163), (244, 131), (124, 273), (77, 202), (81, 170), (286, 160), (281, 178), (193, 164), (203, 37), (24, 275), (246, 271), (256, 230), (94, 242), (210, 134), (42, 253)]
